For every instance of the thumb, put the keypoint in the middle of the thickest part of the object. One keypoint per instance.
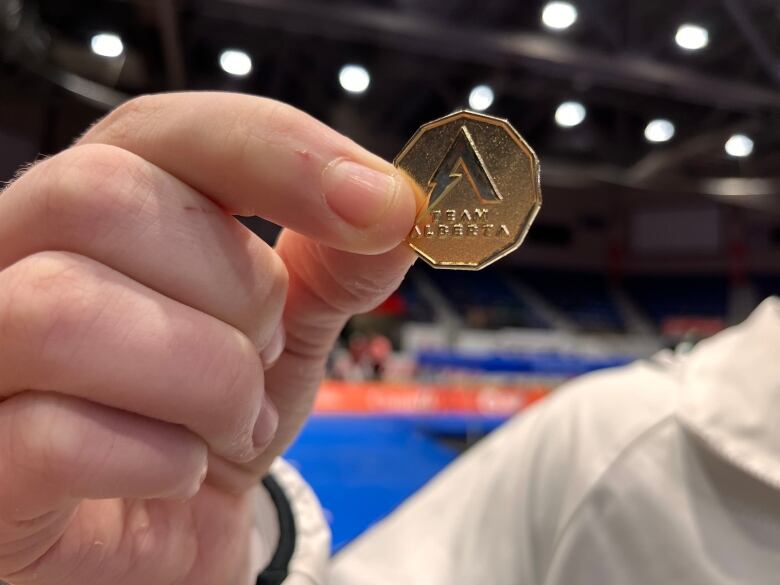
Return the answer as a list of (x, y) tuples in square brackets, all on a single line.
[(327, 287)]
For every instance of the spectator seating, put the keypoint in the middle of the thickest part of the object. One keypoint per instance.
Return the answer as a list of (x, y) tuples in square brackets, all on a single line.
[(416, 308), (584, 297), (679, 296), (485, 300)]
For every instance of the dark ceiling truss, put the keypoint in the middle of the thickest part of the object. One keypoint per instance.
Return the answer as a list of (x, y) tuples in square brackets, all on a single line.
[(168, 23), (621, 65), (552, 57), (768, 59), (600, 72)]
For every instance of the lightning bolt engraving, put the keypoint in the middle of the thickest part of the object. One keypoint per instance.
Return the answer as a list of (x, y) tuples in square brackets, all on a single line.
[(462, 161)]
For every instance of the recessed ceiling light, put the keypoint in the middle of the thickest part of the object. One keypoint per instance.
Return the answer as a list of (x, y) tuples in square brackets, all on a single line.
[(559, 15), (659, 130), (570, 114), (739, 146), (107, 45), (481, 98), (235, 62), (692, 37), (354, 78)]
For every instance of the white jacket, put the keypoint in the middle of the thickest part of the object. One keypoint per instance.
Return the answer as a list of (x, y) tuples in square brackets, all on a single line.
[(663, 472)]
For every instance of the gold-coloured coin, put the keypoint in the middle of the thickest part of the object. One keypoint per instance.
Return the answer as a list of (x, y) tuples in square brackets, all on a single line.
[(481, 182)]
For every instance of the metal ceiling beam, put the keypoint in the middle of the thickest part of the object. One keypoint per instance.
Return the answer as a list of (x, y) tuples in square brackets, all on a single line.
[(545, 55), (98, 95), (658, 163), (752, 191), (27, 45), (761, 49), (173, 51)]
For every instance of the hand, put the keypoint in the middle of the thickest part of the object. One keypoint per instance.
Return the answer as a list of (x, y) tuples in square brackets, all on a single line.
[(139, 322)]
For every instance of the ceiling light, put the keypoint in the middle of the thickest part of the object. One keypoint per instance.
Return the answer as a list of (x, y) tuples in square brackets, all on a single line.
[(481, 98), (559, 15), (570, 114), (354, 78), (235, 62), (107, 45), (659, 130), (739, 146), (692, 37)]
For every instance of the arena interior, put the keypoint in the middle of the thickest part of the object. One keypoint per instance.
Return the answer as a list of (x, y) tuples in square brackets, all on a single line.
[(658, 129)]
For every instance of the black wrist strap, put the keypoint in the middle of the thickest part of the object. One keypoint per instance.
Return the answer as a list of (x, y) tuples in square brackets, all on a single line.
[(277, 570)]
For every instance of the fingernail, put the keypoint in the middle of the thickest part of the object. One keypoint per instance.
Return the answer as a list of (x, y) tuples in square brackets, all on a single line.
[(356, 193), (274, 349), (265, 426)]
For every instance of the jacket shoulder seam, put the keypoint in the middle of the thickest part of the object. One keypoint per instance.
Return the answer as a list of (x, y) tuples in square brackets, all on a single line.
[(632, 445)]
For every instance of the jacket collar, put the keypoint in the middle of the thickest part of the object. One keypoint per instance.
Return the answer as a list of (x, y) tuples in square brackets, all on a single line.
[(730, 395)]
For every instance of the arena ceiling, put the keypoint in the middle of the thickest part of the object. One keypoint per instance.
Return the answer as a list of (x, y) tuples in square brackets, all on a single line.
[(619, 60)]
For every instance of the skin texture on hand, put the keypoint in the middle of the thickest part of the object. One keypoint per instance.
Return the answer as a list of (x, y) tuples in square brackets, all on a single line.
[(155, 356)]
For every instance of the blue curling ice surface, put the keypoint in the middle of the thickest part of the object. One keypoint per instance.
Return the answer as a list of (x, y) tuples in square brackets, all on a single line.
[(363, 467)]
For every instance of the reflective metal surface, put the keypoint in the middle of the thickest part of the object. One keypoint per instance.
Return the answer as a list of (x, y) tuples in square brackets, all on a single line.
[(481, 182)]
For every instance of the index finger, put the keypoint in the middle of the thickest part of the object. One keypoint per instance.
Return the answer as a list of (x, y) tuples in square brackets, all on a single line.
[(255, 156)]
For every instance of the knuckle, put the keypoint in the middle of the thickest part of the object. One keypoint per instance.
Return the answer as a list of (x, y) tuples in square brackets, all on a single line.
[(123, 122), (262, 121), (287, 127), (42, 441), (267, 287), (364, 288), (278, 118), (362, 293), (42, 297), (346, 289), (280, 283), (235, 373), (94, 185), (274, 123)]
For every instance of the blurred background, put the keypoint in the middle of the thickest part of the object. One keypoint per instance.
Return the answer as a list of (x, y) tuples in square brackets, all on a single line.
[(658, 128)]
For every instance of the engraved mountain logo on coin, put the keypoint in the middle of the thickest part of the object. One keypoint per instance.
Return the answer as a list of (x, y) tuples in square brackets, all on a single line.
[(462, 169), (480, 181)]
